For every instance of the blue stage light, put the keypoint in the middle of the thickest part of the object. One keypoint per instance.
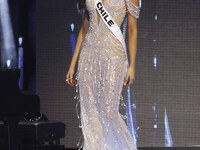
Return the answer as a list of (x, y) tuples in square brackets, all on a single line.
[(155, 61), (8, 63), (168, 137), (156, 17)]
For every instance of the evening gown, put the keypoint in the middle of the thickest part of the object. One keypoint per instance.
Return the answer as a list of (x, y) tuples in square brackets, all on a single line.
[(101, 72)]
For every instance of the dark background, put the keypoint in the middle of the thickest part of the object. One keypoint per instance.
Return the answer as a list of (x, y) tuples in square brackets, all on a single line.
[(23, 17), (175, 84)]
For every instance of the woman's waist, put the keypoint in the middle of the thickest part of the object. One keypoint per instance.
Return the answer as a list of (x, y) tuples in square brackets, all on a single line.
[(99, 46), (105, 40)]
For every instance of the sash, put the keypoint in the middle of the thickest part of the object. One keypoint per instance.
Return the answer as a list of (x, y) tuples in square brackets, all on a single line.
[(110, 23)]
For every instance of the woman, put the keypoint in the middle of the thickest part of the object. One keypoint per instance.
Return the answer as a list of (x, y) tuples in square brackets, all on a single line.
[(102, 69)]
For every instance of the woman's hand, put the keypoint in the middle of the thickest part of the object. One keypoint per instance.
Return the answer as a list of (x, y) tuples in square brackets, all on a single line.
[(69, 77), (81, 36), (130, 76)]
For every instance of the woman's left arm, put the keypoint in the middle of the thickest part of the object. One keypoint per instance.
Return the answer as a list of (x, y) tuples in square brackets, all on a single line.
[(132, 44)]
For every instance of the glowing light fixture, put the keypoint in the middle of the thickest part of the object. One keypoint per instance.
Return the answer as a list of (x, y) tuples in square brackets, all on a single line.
[(7, 47)]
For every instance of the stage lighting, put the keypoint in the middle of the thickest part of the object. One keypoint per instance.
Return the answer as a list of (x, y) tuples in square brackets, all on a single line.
[(168, 137), (156, 17), (7, 48), (8, 63), (155, 62)]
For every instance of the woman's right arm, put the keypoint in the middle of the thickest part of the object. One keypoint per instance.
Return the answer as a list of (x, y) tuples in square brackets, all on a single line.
[(81, 36)]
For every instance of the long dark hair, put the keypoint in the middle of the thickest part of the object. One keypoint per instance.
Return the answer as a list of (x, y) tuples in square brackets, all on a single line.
[(81, 6)]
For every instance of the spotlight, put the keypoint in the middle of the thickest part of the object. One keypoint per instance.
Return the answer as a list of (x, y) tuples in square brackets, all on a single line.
[(8, 63), (156, 17)]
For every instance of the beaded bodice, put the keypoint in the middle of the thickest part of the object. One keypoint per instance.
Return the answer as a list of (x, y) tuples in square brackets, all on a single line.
[(99, 34)]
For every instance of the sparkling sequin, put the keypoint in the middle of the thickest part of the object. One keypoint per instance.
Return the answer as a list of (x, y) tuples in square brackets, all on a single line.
[(101, 72)]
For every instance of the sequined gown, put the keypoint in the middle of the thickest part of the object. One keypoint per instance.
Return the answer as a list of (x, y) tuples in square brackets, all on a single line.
[(101, 72)]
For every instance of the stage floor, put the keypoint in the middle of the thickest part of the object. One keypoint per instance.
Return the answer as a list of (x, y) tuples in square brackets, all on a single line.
[(160, 148)]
